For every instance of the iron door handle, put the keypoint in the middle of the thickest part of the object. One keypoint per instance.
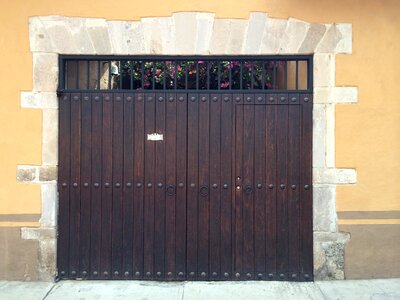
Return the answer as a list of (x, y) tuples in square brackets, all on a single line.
[(171, 189), (204, 190), (248, 188)]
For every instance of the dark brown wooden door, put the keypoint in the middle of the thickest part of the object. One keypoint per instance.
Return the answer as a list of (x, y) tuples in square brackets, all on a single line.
[(181, 186)]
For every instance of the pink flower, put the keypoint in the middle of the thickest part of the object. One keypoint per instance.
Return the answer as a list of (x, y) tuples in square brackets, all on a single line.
[(200, 62), (178, 68), (224, 85), (158, 72)]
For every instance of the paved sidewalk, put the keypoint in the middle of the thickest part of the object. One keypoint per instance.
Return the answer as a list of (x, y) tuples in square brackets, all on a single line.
[(377, 289)]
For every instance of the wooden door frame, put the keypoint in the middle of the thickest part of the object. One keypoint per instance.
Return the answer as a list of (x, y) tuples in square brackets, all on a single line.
[(192, 33)]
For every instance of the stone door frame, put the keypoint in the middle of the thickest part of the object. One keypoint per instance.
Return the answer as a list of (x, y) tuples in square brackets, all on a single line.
[(193, 33)]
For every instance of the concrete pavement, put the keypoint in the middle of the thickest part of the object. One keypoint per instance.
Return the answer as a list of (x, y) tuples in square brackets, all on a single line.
[(377, 289)]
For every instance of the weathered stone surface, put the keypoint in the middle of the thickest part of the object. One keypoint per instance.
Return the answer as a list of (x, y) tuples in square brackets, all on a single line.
[(50, 137), (26, 173), (236, 36), (134, 37), (39, 39), (47, 259), (117, 38), (59, 34), (273, 32), (80, 36), (319, 135), (36, 233), (330, 136), (254, 33), (327, 95), (39, 100), (45, 72), (344, 44), (334, 176), (324, 70), (152, 35), (312, 39), (329, 255), (220, 36), (49, 205), (98, 33), (185, 32), (324, 208), (47, 173), (205, 23), (293, 36), (167, 30)]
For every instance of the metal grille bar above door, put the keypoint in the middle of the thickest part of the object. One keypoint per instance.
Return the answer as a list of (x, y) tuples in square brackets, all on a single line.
[(218, 74)]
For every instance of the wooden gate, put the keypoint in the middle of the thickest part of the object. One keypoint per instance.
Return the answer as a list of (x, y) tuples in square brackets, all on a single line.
[(181, 185)]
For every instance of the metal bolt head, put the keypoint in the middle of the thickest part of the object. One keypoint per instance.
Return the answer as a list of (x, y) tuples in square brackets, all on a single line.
[(160, 98), (191, 274), (117, 185), (215, 185), (138, 184), (180, 184), (126, 274), (282, 186), (85, 184), (203, 274), (137, 273), (214, 274), (64, 184), (62, 273), (96, 184), (226, 274), (293, 186), (116, 273), (281, 276), (73, 273), (128, 184), (294, 276), (105, 273), (148, 273), (306, 187), (169, 273), (306, 276), (259, 185), (84, 273), (149, 185), (248, 275), (180, 274), (158, 273), (225, 186), (270, 275), (95, 273), (259, 275), (192, 185), (160, 185), (237, 275), (107, 184), (75, 184), (306, 99), (270, 186)]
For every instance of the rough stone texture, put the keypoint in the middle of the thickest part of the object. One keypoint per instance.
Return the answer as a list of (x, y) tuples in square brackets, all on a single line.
[(39, 39), (50, 137), (334, 176), (45, 72), (330, 136), (329, 255), (185, 32), (36, 233), (134, 37), (293, 36), (152, 35), (344, 45), (326, 95), (254, 33), (47, 259), (98, 33), (80, 36), (220, 36), (167, 30), (49, 205), (117, 38), (26, 173), (319, 135), (47, 173), (60, 35), (312, 39), (324, 70), (39, 100), (205, 23), (273, 32), (324, 208), (237, 37)]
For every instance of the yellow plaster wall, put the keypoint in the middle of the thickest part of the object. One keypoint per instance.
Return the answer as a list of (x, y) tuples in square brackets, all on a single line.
[(367, 136)]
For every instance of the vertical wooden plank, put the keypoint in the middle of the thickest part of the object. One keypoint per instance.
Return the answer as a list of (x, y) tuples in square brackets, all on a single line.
[(64, 184), (181, 170), (149, 188), (193, 188), (170, 172), (306, 191), (282, 201), (106, 215), (75, 211), (227, 186), (238, 186), (215, 187), (86, 172), (293, 186), (127, 185), (259, 188), (96, 221), (138, 209), (248, 187), (271, 182), (204, 186), (117, 195), (159, 230)]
